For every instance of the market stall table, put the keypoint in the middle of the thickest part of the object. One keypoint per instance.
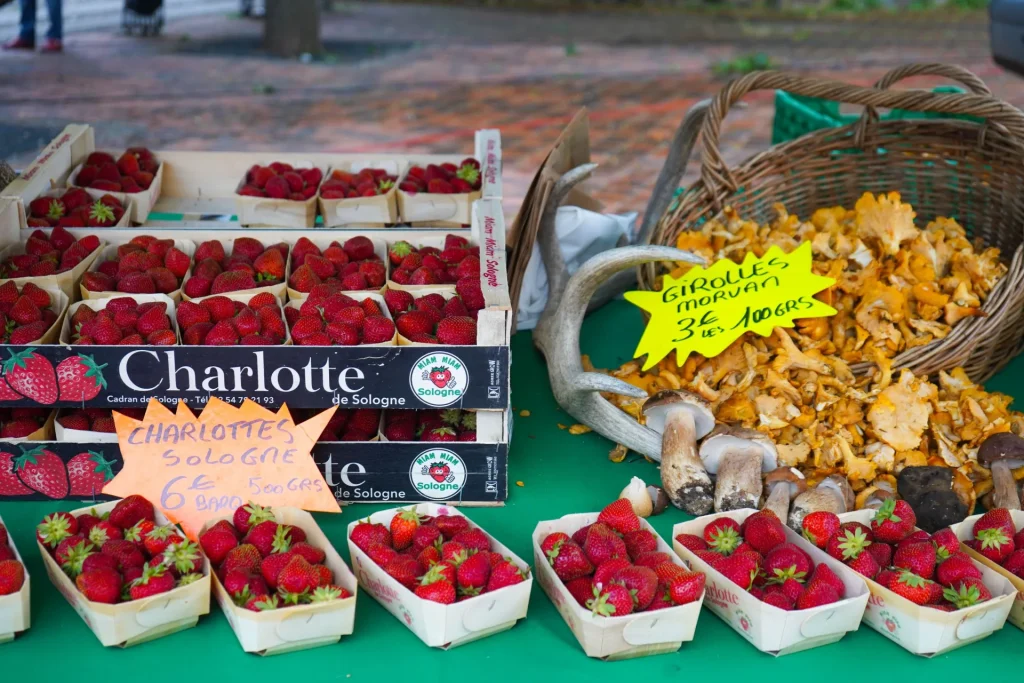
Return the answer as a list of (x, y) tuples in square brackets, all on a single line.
[(560, 473)]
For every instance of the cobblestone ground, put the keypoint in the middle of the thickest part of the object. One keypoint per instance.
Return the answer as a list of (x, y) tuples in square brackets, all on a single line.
[(420, 78)]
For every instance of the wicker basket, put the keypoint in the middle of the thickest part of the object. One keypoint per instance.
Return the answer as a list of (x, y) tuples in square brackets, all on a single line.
[(970, 171)]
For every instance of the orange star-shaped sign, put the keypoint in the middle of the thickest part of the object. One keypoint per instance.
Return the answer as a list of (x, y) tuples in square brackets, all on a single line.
[(198, 469)]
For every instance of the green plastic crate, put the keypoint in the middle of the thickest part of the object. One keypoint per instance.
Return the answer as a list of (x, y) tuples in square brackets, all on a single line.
[(796, 115)]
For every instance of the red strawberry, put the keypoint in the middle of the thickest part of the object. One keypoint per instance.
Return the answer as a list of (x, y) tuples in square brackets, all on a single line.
[(722, 535), (691, 542), (217, 543), (436, 589), (882, 552), (823, 574), (763, 531), (403, 528), (786, 561), (88, 473), (100, 585), (569, 561), (893, 521), (473, 574), (687, 587), (244, 557), (451, 525), (459, 330), (956, 568), (607, 570), (817, 595), (864, 564), (131, 510), (993, 533), (639, 542), (43, 471), (818, 527), (967, 593), (154, 581), (619, 515), (946, 543), (603, 544), (641, 582), (581, 589), (126, 553), (917, 557), (912, 587), (612, 600), (652, 559), (740, 568), (848, 543)]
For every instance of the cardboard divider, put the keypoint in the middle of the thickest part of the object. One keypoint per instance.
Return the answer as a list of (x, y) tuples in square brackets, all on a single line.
[(279, 290), (965, 532), (67, 282), (381, 210), (15, 609), (614, 638), (245, 297), (131, 623), (297, 627), (109, 252), (769, 628), (359, 297), (281, 213), (137, 205), (100, 303), (437, 625), (379, 248), (928, 632)]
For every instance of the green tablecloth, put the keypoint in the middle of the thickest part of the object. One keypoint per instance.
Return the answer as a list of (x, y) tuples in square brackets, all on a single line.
[(560, 474)]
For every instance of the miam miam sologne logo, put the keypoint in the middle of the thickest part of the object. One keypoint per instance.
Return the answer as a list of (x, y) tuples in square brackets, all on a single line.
[(439, 379), (438, 473)]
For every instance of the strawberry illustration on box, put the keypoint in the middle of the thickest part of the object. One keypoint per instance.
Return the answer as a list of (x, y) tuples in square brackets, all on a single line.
[(133, 177), (440, 194), (129, 573), (445, 578), (15, 613), (617, 584), (279, 581), (144, 265), (994, 556), (966, 602), (770, 584), (362, 193)]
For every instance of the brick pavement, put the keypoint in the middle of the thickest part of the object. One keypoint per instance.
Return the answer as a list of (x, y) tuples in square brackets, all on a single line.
[(422, 79)]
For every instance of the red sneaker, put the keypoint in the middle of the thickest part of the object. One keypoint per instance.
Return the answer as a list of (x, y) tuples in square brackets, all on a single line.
[(20, 43), (52, 45)]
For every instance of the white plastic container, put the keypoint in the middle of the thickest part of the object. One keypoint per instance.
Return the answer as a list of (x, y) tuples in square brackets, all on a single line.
[(15, 612)]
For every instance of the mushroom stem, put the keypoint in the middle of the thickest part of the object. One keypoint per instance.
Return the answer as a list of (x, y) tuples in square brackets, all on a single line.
[(739, 479), (778, 501), (1004, 488), (682, 472)]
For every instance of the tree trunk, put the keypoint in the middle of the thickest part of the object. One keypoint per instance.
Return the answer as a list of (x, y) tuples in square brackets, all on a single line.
[(292, 27)]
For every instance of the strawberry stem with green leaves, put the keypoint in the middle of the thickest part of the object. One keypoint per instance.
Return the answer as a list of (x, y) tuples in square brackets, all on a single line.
[(103, 466), (18, 360), (101, 212), (887, 512), (853, 544), (93, 370)]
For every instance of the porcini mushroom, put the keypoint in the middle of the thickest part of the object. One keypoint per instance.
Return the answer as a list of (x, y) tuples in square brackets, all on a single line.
[(636, 493), (832, 494), (1002, 452), (737, 456), (929, 491), (682, 418), (783, 484)]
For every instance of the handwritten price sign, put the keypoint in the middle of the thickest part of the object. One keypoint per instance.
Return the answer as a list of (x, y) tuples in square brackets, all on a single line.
[(706, 310), (196, 469)]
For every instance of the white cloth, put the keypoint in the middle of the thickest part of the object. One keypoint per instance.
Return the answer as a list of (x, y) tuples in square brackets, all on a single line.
[(581, 234)]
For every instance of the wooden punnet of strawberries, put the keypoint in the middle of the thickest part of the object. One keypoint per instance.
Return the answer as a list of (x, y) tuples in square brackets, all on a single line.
[(49, 254), (12, 571), (250, 265), (132, 172), (145, 265), (347, 267), (446, 178)]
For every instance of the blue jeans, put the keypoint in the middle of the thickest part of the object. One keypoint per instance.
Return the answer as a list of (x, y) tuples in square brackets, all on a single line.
[(28, 19)]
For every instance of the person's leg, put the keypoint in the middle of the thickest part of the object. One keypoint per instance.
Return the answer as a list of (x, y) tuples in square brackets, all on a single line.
[(28, 20), (56, 12)]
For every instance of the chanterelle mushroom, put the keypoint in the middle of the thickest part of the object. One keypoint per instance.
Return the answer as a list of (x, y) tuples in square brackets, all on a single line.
[(783, 484), (1001, 453), (682, 418), (737, 456), (900, 414), (832, 494)]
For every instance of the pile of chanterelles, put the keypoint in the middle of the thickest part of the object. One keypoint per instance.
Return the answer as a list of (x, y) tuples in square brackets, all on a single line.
[(782, 421)]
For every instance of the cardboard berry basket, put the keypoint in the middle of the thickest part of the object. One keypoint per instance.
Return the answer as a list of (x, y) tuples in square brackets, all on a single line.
[(298, 627), (418, 290), (139, 621), (59, 305), (44, 433), (255, 212), (109, 251), (769, 628), (379, 248), (437, 625), (377, 211), (124, 221), (964, 531), (99, 304), (613, 638), (928, 632), (83, 436), (279, 290), (67, 282), (360, 297), (137, 204), (439, 210), (245, 297), (15, 611)]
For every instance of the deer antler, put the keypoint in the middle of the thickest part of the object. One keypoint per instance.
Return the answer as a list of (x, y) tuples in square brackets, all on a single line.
[(558, 332)]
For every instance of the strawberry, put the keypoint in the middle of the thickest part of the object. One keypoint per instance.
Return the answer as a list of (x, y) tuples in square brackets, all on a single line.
[(916, 557), (103, 531), (100, 585), (42, 470), (297, 580), (473, 539), (607, 570), (619, 515), (154, 581), (818, 527), (639, 542), (403, 528), (377, 329), (451, 525), (437, 590), (893, 521), (912, 587), (581, 589), (468, 289), (131, 510), (359, 248), (569, 561), (426, 535), (786, 561), (967, 593), (686, 587), (865, 564), (31, 375), (641, 582), (612, 600), (551, 540), (365, 534), (740, 568), (763, 531), (473, 574), (993, 533), (405, 570), (216, 543), (691, 542), (459, 331), (126, 553), (817, 595), (946, 543), (159, 538), (313, 555), (722, 535), (603, 544), (848, 543), (652, 559), (1015, 563), (265, 537), (956, 568)]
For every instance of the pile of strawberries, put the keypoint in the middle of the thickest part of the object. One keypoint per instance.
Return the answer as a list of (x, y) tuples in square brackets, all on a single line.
[(123, 321), (281, 181), (96, 419), (443, 178), (220, 321), (433, 266), (75, 208), (250, 265), (132, 172), (122, 556), (443, 558), (12, 572), (145, 265), (368, 182), (348, 424), (430, 425), (49, 254), (432, 319), (340, 267), (17, 423), (927, 569), (613, 567), (338, 320), (996, 538), (757, 558), (25, 313), (264, 565)]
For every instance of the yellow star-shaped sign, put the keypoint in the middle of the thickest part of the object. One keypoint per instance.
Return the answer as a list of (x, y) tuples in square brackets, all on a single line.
[(198, 469), (706, 310)]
